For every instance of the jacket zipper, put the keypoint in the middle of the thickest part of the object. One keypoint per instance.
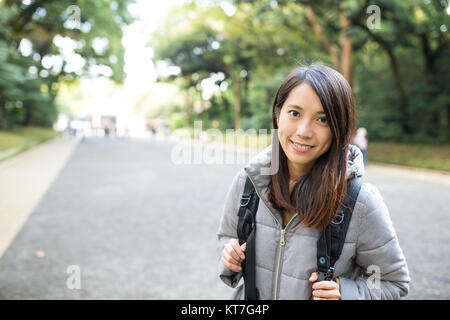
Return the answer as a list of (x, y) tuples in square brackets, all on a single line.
[(282, 243), (282, 240)]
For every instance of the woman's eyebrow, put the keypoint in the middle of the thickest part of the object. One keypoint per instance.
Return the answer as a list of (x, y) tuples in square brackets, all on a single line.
[(300, 108)]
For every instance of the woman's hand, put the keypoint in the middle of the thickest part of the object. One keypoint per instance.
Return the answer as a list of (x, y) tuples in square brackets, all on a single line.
[(325, 290), (233, 254)]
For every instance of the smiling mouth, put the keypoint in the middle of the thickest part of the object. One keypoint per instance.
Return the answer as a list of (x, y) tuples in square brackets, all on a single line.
[(301, 147)]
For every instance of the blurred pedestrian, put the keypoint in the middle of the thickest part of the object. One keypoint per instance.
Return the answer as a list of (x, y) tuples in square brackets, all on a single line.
[(362, 142)]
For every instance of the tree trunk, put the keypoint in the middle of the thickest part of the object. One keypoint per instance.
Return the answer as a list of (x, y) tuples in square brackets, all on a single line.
[(402, 94), (2, 111), (189, 108), (434, 121), (25, 15), (403, 106), (318, 30), (447, 123), (237, 99), (29, 117), (341, 57), (346, 48)]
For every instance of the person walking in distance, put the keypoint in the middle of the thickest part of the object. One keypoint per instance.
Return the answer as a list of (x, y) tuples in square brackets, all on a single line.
[(362, 143)]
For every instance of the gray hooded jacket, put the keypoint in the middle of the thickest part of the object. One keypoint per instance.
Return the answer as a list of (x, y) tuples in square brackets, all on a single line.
[(371, 265)]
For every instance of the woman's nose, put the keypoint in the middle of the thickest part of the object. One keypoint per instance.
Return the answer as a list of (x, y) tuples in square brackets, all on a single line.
[(304, 129)]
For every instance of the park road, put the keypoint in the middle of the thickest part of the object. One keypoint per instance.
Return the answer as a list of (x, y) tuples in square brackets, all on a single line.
[(135, 225)]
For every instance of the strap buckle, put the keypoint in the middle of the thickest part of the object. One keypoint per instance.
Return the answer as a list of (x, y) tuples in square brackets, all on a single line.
[(339, 217), (325, 276), (245, 198)]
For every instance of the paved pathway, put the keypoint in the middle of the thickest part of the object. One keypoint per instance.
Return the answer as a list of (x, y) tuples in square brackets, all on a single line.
[(137, 226), (23, 181)]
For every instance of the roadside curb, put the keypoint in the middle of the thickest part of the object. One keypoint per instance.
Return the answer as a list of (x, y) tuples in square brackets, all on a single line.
[(15, 151)]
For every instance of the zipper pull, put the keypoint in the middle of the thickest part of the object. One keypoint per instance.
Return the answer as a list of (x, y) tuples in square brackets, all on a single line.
[(282, 242)]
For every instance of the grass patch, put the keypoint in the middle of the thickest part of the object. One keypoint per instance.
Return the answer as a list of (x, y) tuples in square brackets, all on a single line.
[(436, 157), (17, 140)]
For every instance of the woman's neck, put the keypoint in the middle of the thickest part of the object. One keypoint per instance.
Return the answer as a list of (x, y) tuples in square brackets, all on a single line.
[(297, 171)]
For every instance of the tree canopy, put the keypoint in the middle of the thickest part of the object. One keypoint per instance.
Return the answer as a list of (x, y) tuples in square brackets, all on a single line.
[(45, 43), (393, 53)]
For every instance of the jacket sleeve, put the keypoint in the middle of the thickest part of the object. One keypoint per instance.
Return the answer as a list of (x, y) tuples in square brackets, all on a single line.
[(228, 226), (378, 255)]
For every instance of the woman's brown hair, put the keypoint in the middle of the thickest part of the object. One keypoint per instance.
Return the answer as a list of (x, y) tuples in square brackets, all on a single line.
[(318, 194)]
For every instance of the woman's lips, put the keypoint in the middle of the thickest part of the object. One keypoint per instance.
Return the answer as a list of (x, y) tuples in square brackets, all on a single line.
[(297, 147)]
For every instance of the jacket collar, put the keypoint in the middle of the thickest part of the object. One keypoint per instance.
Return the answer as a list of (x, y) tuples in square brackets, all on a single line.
[(261, 162)]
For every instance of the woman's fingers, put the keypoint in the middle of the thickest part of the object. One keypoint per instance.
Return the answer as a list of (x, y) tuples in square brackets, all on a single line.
[(324, 290), (237, 248), (233, 254), (230, 258), (231, 266), (234, 250), (325, 285), (314, 276), (326, 294)]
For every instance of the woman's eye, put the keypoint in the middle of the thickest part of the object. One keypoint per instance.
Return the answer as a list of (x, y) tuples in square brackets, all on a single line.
[(323, 120), (293, 113)]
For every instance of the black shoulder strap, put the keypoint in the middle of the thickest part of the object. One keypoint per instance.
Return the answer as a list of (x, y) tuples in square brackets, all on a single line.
[(329, 246), (331, 242), (246, 230)]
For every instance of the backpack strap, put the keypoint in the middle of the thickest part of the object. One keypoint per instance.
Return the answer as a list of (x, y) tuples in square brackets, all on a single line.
[(329, 246), (331, 242), (246, 230)]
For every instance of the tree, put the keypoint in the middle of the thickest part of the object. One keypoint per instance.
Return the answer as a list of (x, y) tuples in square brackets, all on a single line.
[(205, 40), (398, 68), (92, 28)]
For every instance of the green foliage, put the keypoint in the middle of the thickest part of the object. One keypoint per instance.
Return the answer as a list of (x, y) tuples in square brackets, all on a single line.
[(177, 121), (30, 79), (425, 156), (399, 71)]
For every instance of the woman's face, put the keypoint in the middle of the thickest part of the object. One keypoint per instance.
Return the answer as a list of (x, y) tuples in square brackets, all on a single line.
[(303, 130)]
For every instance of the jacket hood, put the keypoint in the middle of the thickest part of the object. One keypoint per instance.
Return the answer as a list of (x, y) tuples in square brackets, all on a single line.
[(259, 165)]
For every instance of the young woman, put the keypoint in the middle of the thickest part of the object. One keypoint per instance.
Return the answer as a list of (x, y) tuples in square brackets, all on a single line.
[(314, 112)]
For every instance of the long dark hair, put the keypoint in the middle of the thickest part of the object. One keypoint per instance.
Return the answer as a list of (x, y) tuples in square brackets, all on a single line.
[(318, 194)]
